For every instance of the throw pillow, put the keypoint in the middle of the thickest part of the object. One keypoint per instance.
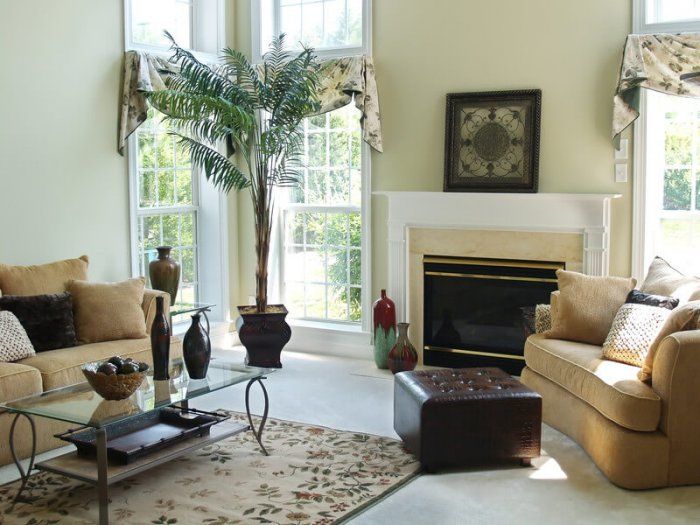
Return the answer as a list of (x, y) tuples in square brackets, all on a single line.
[(108, 311), (48, 319), (14, 343), (41, 279), (543, 318), (636, 325), (685, 317), (586, 306), (664, 279)]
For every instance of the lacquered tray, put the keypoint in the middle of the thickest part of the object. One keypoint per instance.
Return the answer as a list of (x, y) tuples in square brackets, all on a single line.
[(142, 435)]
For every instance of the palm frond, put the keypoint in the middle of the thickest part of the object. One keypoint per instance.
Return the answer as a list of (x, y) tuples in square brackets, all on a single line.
[(217, 168)]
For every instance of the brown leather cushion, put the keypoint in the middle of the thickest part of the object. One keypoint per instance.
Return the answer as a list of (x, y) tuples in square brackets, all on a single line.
[(611, 388), (43, 278), (48, 319), (108, 311)]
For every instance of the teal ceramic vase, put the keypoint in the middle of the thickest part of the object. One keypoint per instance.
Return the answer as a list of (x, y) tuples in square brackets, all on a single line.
[(384, 317)]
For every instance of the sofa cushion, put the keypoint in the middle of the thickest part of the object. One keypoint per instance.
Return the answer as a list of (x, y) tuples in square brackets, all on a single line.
[(664, 279), (43, 278), (14, 341), (108, 311), (48, 319), (62, 367), (18, 380), (611, 388), (586, 306)]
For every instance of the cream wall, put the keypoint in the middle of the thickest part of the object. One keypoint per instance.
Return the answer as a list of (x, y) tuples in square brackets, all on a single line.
[(425, 49), (63, 186)]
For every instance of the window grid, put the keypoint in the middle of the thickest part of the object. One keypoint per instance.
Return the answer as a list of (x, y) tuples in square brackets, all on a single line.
[(176, 208), (285, 9)]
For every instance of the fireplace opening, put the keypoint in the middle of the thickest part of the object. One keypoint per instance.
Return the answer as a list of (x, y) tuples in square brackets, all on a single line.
[(478, 312)]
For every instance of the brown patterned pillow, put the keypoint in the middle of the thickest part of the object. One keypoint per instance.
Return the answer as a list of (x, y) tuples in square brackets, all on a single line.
[(48, 319)]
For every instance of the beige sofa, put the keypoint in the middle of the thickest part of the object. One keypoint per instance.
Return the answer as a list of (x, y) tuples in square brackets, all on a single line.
[(59, 368), (640, 436)]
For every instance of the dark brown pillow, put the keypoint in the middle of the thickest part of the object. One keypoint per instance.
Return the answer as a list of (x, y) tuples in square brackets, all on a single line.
[(47, 319)]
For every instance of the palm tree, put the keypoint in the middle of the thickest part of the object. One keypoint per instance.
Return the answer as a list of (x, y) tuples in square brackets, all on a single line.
[(260, 109)]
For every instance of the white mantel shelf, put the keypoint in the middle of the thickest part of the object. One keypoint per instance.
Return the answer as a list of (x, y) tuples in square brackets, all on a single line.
[(585, 213)]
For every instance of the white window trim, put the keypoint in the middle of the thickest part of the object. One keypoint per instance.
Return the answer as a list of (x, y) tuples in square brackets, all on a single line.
[(212, 217), (640, 25), (130, 45), (642, 223)]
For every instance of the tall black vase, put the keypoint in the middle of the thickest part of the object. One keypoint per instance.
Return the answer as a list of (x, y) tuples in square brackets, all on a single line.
[(196, 349), (160, 343)]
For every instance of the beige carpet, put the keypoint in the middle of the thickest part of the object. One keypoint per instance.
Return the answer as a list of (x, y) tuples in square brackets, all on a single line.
[(314, 475)]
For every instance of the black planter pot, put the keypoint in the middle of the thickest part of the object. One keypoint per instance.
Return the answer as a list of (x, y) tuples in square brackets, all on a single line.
[(263, 334)]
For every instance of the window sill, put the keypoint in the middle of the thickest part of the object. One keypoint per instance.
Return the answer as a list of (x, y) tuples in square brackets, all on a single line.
[(328, 338)]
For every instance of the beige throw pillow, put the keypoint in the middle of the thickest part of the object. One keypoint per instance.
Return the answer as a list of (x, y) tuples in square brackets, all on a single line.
[(108, 311), (43, 278), (685, 317), (586, 306), (664, 279), (632, 333), (14, 341)]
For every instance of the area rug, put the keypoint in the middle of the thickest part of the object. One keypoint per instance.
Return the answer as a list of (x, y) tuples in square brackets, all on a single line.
[(313, 475)]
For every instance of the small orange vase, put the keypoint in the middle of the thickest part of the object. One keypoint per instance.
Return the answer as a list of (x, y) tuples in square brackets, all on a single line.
[(403, 356)]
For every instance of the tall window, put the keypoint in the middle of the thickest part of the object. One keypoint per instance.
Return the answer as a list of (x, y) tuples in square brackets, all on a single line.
[(324, 240), (667, 182), (166, 202)]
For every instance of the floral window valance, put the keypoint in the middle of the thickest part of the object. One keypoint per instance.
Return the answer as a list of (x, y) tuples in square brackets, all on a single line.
[(666, 63), (342, 79)]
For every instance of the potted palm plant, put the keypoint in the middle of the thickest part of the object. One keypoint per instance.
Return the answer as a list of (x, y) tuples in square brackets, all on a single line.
[(259, 108)]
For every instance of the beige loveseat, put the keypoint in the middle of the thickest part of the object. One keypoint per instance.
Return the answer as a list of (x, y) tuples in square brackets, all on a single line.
[(58, 368), (640, 436)]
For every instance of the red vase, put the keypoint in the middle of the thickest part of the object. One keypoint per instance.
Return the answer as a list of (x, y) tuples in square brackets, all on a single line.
[(403, 356), (384, 315)]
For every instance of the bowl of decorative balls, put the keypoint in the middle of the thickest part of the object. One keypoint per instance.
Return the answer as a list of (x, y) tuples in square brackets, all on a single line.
[(117, 378)]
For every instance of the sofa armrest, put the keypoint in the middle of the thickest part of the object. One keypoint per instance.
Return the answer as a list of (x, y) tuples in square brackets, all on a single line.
[(149, 306), (676, 379)]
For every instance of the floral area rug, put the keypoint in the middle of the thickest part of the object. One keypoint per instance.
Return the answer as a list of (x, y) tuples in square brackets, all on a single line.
[(313, 475)]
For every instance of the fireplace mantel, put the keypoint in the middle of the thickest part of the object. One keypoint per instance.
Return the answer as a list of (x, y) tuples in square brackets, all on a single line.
[(586, 214)]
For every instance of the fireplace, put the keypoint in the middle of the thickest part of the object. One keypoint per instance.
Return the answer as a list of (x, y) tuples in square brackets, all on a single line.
[(479, 311)]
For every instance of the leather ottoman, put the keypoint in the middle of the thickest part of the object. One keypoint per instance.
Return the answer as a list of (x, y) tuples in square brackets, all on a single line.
[(468, 416)]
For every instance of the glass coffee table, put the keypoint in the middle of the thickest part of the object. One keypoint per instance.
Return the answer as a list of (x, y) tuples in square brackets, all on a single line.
[(81, 405)]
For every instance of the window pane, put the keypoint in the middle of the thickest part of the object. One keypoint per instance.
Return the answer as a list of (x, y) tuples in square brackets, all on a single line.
[(149, 18), (659, 11), (338, 303), (322, 24)]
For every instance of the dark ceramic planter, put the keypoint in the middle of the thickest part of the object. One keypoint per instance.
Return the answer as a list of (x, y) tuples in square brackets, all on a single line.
[(263, 334)]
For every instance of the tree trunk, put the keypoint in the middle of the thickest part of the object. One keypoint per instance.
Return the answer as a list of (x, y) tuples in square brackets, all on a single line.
[(262, 251)]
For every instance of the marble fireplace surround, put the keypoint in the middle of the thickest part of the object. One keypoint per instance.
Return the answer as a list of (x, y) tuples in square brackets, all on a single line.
[(567, 227)]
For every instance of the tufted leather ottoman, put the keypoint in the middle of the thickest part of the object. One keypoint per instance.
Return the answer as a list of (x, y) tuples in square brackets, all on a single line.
[(468, 416)]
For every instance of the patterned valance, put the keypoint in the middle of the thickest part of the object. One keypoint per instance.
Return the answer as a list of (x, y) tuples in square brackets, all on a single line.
[(666, 63), (341, 80)]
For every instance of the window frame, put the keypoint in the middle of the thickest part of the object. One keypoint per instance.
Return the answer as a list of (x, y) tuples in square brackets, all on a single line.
[(277, 252), (197, 11), (643, 221)]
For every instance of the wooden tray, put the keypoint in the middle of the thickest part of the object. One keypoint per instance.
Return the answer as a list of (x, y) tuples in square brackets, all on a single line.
[(139, 436)]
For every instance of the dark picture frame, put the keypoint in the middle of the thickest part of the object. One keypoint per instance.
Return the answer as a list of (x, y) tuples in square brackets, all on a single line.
[(492, 141)]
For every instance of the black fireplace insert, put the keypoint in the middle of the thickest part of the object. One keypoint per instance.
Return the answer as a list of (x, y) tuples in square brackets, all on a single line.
[(478, 312)]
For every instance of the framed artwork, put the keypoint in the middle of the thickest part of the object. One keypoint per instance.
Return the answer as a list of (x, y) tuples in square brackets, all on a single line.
[(492, 141)]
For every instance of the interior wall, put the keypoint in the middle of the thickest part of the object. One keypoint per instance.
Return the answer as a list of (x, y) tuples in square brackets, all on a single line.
[(424, 50), (63, 186)]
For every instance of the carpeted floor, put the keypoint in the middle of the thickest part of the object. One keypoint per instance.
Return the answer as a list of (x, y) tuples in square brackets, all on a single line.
[(313, 475)]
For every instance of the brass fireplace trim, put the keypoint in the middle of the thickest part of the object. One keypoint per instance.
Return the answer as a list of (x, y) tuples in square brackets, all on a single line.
[(544, 265), (499, 277), (472, 352)]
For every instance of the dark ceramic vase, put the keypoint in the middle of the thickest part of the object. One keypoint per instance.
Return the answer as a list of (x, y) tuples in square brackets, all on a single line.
[(196, 349), (403, 356), (384, 338), (160, 342), (263, 334), (165, 273)]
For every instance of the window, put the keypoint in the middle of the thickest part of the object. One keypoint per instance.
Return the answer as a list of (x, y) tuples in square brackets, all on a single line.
[(331, 27), (322, 220), (166, 207), (662, 16), (195, 24)]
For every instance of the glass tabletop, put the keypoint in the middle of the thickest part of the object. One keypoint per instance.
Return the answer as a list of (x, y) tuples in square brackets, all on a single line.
[(81, 405), (184, 308)]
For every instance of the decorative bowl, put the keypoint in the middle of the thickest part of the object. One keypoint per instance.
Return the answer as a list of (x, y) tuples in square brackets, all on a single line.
[(112, 387)]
